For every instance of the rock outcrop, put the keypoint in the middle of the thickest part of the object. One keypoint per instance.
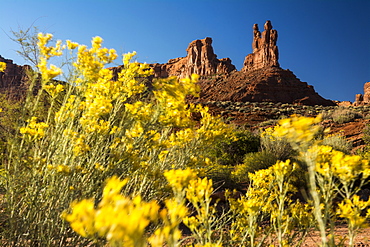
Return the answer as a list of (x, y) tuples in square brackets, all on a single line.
[(200, 60), (265, 51), (261, 79), (363, 99), (271, 84), (14, 79)]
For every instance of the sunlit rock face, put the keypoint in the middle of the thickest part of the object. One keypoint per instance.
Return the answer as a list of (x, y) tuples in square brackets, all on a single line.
[(265, 51), (363, 99), (200, 60)]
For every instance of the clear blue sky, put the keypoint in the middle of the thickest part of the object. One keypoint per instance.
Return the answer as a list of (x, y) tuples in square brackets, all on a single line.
[(325, 43)]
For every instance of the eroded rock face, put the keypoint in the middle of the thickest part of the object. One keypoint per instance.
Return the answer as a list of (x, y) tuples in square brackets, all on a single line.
[(200, 60), (265, 51), (14, 78), (363, 99)]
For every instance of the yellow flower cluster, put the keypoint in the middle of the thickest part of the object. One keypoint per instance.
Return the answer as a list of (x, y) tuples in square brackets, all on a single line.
[(90, 62), (34, 130), (299, 131), (352, 210), (78, 142), (269, 195), (46, 52), (129, 76), (118, 218), (346, 167), (53, 90), (179, 179), (172, 215), (171, 96), (123, 221), (68, 109), (2, 66)]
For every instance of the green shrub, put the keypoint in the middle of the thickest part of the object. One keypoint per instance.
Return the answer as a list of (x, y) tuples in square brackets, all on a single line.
[(253, 162), (230, 152)]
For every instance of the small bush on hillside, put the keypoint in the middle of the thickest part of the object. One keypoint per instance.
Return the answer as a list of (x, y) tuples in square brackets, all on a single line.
[(253, 162), (337, 142), (280, 148), (232, 151), (344, 115), (366, 136)]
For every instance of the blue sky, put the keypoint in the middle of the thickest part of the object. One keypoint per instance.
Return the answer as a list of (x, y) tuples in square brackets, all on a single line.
[(326, 43)]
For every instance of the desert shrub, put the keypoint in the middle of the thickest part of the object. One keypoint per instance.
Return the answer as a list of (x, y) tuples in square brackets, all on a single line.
[(344, 115), (230, 152), (253, 162), (366, 136), (337, 142), (277, 146), (73, 136)]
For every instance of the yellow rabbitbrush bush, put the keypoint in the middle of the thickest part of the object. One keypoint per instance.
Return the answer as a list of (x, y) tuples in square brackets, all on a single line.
[(96, 127)]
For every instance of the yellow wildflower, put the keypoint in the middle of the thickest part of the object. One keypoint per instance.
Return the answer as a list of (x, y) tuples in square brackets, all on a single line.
[(2, 66), (299, 131), (351, 210), (179, 179), (332, 162), (71, 45), (53, 90), (34, 130)]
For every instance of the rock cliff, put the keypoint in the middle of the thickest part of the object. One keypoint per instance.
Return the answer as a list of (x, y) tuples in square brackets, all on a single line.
[(14, 79), (200, 60), (260, 80)]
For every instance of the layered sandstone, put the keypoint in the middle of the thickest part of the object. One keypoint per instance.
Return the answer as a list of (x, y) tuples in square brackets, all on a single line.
[(265, 51), (200, 60)]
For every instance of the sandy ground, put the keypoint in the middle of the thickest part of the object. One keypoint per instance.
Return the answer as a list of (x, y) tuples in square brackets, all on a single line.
[(362, 239)]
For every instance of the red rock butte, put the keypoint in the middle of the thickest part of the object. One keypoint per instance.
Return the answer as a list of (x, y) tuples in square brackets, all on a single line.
[(260, 80)]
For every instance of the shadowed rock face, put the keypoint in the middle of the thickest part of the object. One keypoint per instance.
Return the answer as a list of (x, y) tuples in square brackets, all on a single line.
[(200, 60), (265, 51), (14, 78)]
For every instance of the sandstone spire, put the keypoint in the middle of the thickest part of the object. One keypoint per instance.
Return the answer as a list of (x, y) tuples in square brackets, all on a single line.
[(265, 52), (200, 60)]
